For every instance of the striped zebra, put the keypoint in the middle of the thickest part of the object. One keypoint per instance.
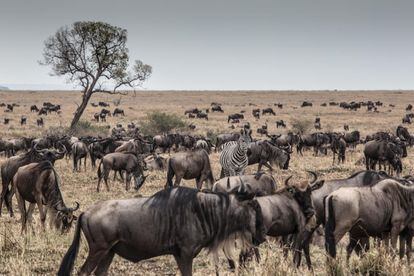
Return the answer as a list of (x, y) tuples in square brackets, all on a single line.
[(233, 158)]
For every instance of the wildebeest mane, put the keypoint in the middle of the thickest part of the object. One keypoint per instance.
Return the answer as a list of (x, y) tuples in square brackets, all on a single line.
[(175, 208)]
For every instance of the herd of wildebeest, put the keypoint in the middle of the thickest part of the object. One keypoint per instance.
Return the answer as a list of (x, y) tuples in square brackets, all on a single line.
[(237, 210)]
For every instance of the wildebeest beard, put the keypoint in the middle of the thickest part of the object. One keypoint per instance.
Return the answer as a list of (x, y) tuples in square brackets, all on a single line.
[(207, 214)]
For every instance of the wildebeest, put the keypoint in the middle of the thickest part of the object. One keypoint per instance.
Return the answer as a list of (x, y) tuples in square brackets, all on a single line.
[(305, 103), (211, 219), (202, 115), (6, 121), (137, 146), (338, 146), (262, 130), (118, 111), (103, 104), (23, 120), (224, 138), (373, 211), (79, 152), (10, 107), (192, 111), (34, 108), (259, 184), (267, 154), (280, 123), (42, 111), (285, 212), (7, 147), (256, 113), (284, 140), (99, 148), (235, 116), (346, 127), (11, 165), (190, 165), (40, 122), (216, 108), (38, 183), (166, 141), (352, 138), (381, 151), (119, 161), (315, 140), (268, 110), (317, 123), (156, 162), (404, 135)]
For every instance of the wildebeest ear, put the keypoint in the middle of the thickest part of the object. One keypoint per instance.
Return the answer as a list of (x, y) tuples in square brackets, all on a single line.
[(317, 185)]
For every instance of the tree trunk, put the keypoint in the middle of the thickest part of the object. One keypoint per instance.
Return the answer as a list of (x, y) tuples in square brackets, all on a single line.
[(81, 108)]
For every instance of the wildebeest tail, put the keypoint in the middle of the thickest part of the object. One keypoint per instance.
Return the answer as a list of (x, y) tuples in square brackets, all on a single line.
[(68, 261), (99, 169), (170, 174), (330, 227)]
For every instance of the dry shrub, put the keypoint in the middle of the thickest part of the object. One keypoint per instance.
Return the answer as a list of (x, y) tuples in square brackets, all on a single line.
[(159, 122), (301, 126)]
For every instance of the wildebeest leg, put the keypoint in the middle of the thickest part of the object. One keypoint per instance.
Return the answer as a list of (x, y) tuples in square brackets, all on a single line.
[(185, 264), (402, 245), (395, 231), (94, 258), (29, 215), (42, 213), (106, 175), (177, 180), (103, 266), (84, 163), (350, 247), (127, 180), (409, 240), (199, 182), (267, 165), (22, 208)]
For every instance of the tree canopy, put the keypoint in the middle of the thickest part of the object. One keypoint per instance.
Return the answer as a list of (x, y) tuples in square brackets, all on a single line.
[(93, 56)]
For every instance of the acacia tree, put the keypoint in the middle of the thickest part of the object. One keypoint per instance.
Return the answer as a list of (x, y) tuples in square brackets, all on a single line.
[(91, 55)]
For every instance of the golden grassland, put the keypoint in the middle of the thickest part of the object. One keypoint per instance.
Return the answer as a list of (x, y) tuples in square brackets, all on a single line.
[(41, 252)]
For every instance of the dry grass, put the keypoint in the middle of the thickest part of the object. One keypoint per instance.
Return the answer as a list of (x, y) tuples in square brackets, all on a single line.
[(40, 253)]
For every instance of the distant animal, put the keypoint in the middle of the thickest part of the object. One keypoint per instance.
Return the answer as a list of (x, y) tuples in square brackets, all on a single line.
[(6, 121), (216, 108), (118, 111), (280, 123), (305, 104), (38, 183), (409, 107), (190, 165), (119, 161), (268, 111), (346, 127), (40, 122), (103, 104), (317, 123), (211, 219), (338, 147), (34, 108), (226, 137), (235, 116), (23, 120), (256, 113), (156, 162), (267, 154), (202, 116)]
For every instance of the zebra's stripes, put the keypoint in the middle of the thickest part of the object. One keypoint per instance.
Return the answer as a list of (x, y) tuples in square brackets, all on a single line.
[(233, 158)]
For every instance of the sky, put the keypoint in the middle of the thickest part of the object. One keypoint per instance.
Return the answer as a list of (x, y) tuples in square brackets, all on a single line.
[(228, 44)]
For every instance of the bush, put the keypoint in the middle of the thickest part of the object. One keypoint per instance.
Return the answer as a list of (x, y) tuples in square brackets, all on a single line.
[(301, 126), (159, 122)]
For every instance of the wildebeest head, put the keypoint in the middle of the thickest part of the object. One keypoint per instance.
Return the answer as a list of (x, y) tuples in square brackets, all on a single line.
[(302, 193), (65, 217), (50, 154)]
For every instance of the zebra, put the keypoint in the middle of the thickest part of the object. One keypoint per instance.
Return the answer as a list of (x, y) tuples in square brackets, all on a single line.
[(233, 158)]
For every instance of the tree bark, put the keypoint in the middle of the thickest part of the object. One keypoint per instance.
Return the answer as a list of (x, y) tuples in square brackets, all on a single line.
[(81, 108)]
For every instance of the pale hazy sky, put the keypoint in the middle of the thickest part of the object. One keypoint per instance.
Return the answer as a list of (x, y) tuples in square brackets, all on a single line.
[(229, 44)]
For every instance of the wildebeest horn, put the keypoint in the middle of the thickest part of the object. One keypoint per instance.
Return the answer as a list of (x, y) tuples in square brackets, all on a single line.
[(64, 149), (228, 182), (287, 181), (315, 177), (74, 209)]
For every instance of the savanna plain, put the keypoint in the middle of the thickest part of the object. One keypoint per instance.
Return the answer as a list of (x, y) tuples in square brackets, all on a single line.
[(40, 253)]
